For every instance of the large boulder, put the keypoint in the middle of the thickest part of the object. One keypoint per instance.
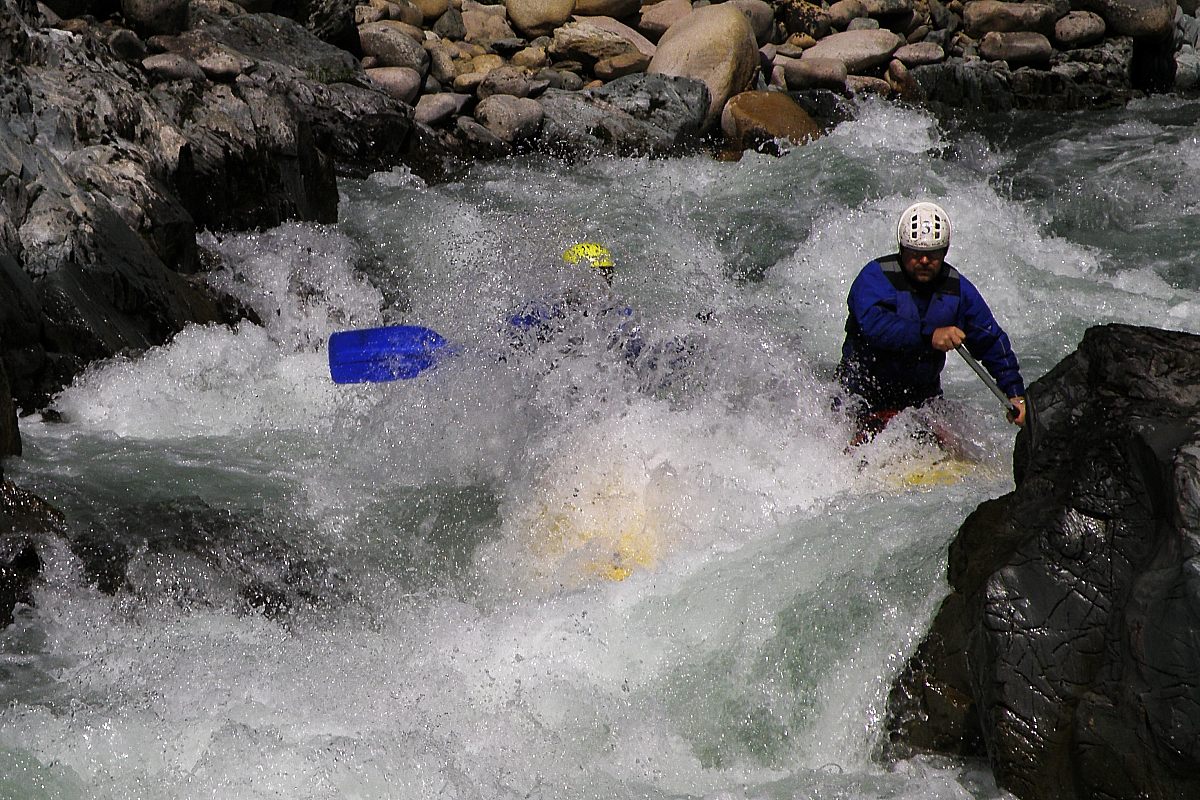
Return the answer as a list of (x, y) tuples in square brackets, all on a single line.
[(758, 120), (535, 18), (1067, 650), (714, 44)]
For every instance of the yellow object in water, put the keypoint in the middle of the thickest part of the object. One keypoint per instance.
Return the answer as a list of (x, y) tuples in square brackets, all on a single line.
[(925, 474), (603, 531), (592, 254), (940, 473)]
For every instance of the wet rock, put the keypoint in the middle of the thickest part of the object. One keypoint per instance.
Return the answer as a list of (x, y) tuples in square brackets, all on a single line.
[(483, 142), (867, 84), (331, 21), (20, 566), (1087, 571), (25, 520), (758, 120), (195, 554), (10, 433), (714, 44), (1102, 79), (1188, 65)]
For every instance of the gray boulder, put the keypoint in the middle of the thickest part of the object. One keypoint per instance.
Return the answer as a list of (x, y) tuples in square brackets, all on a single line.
[(639, 114)]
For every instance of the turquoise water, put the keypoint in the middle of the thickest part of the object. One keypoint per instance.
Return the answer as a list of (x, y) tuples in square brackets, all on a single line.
[(449, 622)]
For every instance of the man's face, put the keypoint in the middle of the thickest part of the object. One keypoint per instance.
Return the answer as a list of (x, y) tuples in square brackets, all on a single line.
[(922, 266)]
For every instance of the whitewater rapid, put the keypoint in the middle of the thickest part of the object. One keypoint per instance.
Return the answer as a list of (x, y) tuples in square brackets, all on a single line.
[(466, 636)]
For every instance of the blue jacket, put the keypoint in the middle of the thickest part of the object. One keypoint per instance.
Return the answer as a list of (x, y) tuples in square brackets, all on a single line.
[(888, 358)]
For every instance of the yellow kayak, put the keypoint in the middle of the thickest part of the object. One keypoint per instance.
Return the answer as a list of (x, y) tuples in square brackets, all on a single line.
[(599, 526)]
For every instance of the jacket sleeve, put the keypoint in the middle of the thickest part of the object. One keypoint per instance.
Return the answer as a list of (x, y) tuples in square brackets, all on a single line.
[(872, 302), (988, 342)]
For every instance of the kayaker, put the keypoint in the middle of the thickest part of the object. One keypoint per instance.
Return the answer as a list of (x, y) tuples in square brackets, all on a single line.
[(906, 311)]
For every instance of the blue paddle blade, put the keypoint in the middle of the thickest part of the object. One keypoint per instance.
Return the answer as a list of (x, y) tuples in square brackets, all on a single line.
[(373, 355)]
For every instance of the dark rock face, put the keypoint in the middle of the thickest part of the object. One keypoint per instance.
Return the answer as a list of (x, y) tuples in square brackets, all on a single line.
[(24, 519), (107, 169), (1085, 78), (197, 554), (1069, 648)]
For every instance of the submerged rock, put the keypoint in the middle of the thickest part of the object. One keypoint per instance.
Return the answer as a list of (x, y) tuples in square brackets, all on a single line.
[(1067, 650), (25, 519), (196, 554)]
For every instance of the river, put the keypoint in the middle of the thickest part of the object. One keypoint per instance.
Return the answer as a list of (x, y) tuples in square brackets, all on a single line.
[(542, 573)]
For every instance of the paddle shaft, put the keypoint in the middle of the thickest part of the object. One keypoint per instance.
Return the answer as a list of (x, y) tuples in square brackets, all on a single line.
[(987, 379)]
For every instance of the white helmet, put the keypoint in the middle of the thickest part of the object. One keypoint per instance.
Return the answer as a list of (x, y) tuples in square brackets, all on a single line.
[(923, 226)]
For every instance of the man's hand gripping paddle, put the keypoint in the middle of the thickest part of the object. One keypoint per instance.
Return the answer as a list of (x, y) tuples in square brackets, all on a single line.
[(1010, 412)]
